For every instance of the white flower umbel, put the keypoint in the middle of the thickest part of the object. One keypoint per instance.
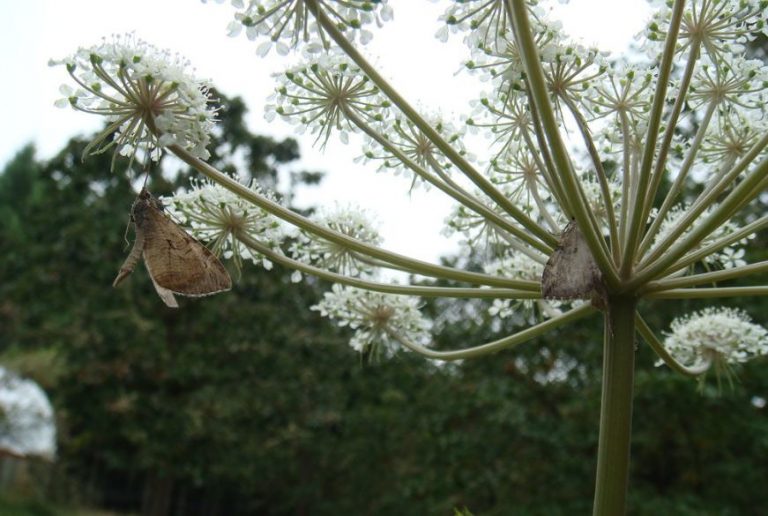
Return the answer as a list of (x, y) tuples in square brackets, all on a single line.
[(624, 91), (378, 320), (351, 221), (284, 24), (722, 27), (720, 336), (486, 22), (507, 120), (216, 215), (731, 138), (322, 95), (410, 142), (148, 96), (480, 234)]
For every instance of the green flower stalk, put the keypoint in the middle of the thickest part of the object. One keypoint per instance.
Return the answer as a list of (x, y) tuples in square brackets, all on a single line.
[(567, 187)]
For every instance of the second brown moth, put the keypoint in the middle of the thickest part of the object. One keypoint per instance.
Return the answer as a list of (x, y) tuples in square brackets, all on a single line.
[(571, 272), (176, 262)]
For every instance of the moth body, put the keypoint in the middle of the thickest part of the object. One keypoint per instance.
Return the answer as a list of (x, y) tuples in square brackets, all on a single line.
[(176, 262)]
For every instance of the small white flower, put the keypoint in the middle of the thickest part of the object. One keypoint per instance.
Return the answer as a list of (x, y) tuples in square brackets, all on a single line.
[(216, 215), (376, 319), (147, 95), (718, 335)]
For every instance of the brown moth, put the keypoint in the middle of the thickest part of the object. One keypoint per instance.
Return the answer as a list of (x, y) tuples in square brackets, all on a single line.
[(571, 272), (176, 262)]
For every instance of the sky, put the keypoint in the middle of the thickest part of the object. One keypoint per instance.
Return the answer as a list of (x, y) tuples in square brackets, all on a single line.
[(421, 68)]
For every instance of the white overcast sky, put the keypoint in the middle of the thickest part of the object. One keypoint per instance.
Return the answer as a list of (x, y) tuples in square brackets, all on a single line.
[(33, 31)]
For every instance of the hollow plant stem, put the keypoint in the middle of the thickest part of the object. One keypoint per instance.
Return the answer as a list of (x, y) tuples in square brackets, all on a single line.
[(616, 408)]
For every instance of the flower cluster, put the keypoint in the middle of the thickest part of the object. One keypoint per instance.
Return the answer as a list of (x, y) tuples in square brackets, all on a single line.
[(324, 95), (479, 233), (716, 335), (731, 138), (625, 90), (486, 22), (507, 119), (519, 173), (405, 141), (570, 70), (720, 28), (148, 96), (350, 221), (216, 215), (380, 321), (287, 23)]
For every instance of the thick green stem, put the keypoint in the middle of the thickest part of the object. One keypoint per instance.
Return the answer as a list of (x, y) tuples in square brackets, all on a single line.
[(616, 408)]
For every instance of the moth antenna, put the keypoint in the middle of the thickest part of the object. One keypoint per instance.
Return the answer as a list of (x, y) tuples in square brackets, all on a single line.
[(146, 178)]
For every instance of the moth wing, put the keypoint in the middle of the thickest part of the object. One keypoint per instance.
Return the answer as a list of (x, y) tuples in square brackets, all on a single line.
[(179, 263), (571, 271), (165, 294)]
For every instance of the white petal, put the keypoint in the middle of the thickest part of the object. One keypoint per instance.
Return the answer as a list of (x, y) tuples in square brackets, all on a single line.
[(263, 48)]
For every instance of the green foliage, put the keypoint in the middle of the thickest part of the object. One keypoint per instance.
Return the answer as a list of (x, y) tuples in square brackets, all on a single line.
[(26, 508)]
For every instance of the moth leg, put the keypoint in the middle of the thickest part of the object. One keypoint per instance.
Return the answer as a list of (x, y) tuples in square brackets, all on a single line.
[(132, 259), (127, 227), (165, 294)]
